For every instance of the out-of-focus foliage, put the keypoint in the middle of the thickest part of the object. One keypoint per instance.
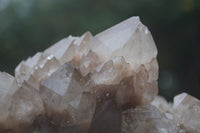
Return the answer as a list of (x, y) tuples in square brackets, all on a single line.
[(28, 26)]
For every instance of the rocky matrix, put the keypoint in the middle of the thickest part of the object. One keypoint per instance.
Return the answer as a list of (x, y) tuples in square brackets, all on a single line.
[(105, 83)]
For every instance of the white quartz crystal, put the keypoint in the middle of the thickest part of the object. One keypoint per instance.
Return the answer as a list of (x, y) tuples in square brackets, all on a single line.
[(130, 39), (36, 69)]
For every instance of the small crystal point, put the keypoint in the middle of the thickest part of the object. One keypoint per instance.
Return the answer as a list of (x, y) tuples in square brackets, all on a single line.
[(61, 87), (63, 92), (116, 36), (62, 50)]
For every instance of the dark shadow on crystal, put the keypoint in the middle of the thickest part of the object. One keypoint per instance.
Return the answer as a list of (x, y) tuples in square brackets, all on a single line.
[(107, 118), (71, 129), (42, 125)]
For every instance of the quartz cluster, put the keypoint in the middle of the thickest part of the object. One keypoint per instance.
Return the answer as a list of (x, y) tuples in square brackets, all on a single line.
[(105, 83)]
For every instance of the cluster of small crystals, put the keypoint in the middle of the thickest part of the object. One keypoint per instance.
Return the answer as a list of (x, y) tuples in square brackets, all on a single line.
[(94, 84)]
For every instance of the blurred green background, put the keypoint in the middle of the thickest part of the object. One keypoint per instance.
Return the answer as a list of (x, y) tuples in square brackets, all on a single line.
[(29, 26)]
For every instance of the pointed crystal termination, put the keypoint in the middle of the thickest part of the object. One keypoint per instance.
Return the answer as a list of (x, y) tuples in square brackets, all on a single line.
[(61, 87), (36, 69), (126, 49), (62, 50), (26, 68), (130, 39), (63, 93)]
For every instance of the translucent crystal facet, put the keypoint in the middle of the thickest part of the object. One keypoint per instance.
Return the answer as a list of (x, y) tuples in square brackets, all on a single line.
[(63, 92), (61, 87), (130, 39)]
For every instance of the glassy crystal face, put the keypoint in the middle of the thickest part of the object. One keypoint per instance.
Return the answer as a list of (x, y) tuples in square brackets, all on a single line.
[(61, 87), (63, 92), (105, 83), (36, 69)]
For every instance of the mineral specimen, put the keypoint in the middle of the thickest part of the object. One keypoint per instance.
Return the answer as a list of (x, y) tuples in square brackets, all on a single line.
[(94, 84)]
